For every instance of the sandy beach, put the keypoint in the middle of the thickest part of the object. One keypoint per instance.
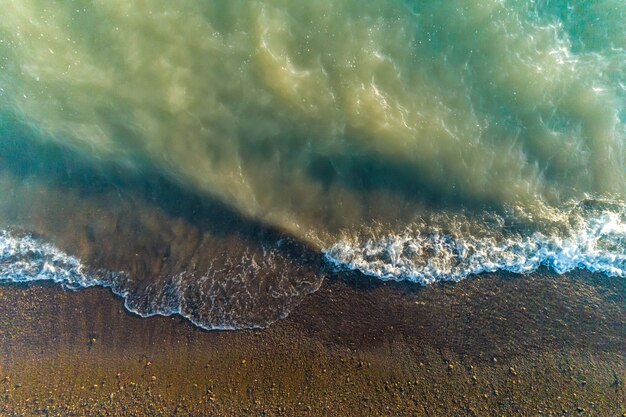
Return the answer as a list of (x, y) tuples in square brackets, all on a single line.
[(511, 345)]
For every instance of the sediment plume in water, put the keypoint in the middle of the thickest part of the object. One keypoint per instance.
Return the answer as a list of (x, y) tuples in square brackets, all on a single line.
[(408, 140)]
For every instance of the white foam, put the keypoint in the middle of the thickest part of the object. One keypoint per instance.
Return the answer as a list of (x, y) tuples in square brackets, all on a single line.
[(594, 240), (590, 236), (27, 259), (24, 258)]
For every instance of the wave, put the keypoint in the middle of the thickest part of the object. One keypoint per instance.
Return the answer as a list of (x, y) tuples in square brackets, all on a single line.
[(592, 238), (591, 235), (26, 259), (224, 298)]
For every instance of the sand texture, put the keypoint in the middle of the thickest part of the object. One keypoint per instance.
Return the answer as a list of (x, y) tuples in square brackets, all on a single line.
[(494, 345)]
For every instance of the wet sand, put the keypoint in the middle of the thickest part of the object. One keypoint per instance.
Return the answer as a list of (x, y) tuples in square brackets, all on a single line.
[(494, 345)]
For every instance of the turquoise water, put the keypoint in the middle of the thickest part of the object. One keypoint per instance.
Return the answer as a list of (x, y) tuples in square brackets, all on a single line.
[(420, 141)]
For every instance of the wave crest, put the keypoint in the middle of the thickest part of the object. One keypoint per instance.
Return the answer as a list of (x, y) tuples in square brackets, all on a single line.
[(234, 293), (590, 236)]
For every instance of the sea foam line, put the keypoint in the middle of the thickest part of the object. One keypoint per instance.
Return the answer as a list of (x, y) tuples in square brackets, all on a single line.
[(594, 240), (25, 259), (596, 243)]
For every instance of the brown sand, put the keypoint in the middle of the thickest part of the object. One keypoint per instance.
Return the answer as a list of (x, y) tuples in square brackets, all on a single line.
[(493, 345)]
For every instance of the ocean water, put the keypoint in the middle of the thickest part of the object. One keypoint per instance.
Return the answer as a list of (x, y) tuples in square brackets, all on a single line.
[(219, 159)]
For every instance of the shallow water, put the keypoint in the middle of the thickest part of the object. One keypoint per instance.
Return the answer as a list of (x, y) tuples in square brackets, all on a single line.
[(179, 145)]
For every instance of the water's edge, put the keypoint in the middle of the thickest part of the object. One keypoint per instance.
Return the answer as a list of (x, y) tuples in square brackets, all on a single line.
[(595, 243)]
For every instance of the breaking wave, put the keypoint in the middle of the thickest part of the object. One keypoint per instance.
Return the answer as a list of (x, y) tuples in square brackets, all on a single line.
[(592, 238), (219, 299)]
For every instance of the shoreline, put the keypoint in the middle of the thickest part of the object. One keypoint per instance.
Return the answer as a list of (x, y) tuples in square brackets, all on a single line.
[(497, 344)]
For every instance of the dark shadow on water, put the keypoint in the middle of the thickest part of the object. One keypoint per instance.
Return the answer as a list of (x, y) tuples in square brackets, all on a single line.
[(365, 171), (368, 173), (26, 157)]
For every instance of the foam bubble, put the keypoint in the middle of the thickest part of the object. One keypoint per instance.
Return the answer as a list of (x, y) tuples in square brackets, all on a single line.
[(224, 297), (586, 238), (26, 259)]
